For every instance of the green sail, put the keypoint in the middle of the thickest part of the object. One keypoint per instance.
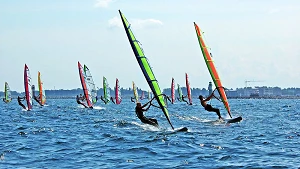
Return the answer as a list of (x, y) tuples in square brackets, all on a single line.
[(145, 67), (106, 90)]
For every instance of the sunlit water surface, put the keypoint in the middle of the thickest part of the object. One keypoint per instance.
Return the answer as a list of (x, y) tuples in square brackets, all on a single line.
[(64, 135)]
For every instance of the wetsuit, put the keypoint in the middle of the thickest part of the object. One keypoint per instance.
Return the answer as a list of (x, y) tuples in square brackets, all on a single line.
[(209, 108), (37, 100), (20, 103), (105, 101), (78, 101), (139, 112), (184, 100), (132, 99), (112, 99)]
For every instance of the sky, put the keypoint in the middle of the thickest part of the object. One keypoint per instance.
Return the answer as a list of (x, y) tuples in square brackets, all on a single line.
[(254, 40)]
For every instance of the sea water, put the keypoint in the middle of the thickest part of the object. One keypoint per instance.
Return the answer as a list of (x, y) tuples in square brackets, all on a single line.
[(63, 134)]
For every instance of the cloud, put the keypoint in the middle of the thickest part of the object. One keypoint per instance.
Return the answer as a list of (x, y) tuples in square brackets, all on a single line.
[(137, 23), (102, 3), (115, 22)]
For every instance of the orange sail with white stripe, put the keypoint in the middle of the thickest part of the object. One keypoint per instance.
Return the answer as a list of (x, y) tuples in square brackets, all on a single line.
[(212, 69)]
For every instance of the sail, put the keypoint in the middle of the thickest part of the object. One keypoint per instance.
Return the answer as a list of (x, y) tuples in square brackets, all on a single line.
[(7, 93), (149, 95), (42, 95), (179, 92), (142, 96), (106, 90), (118, 92), (145, 67), (211, 67), (135, 93), (173, 91), (84, 85), (90, 84), (188, 88), (27, 86)]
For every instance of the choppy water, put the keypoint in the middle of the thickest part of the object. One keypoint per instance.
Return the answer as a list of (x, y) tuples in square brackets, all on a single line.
[(64, 135)]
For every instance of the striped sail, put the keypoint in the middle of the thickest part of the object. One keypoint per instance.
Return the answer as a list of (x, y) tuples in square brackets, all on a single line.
[(7, 93), (106, 90), (211, 67), (135, 93), (179, 92), (90, 84), (84, 85), (145, 67), (42, 95), (188, 88), (172, 91), (27, 86), (118, 92)]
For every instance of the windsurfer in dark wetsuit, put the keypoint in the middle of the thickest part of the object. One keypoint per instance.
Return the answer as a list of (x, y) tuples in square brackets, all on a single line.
[(78, 98), (208, 107), (132, 99), (20, 99), (112, 100), (37, 99), (168, 98), (182, 98), (139, 110), (104, 100)]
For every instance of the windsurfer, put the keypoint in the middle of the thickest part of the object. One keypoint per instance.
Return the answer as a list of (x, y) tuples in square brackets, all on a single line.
[(20, 99), (37, 99), (182, 98), (132, 99), (208, 107), (112, 99), (168, 98), (6, 101), (104, 100), (139, 110), (81, 97), (78, 98)]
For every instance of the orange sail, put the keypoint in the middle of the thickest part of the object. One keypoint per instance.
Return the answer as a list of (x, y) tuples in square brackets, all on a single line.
[(212, 69)]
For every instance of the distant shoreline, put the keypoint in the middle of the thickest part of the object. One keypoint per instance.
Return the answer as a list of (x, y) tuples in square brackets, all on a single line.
[(128, 97)]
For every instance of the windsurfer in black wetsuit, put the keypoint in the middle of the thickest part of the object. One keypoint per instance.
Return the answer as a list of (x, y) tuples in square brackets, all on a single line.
[(139, 110), (168, 98), (20, 99), (132, 99), (79, 102), (104, 100), (37, 99), (182, 98), (208, 107), (112, 99)]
